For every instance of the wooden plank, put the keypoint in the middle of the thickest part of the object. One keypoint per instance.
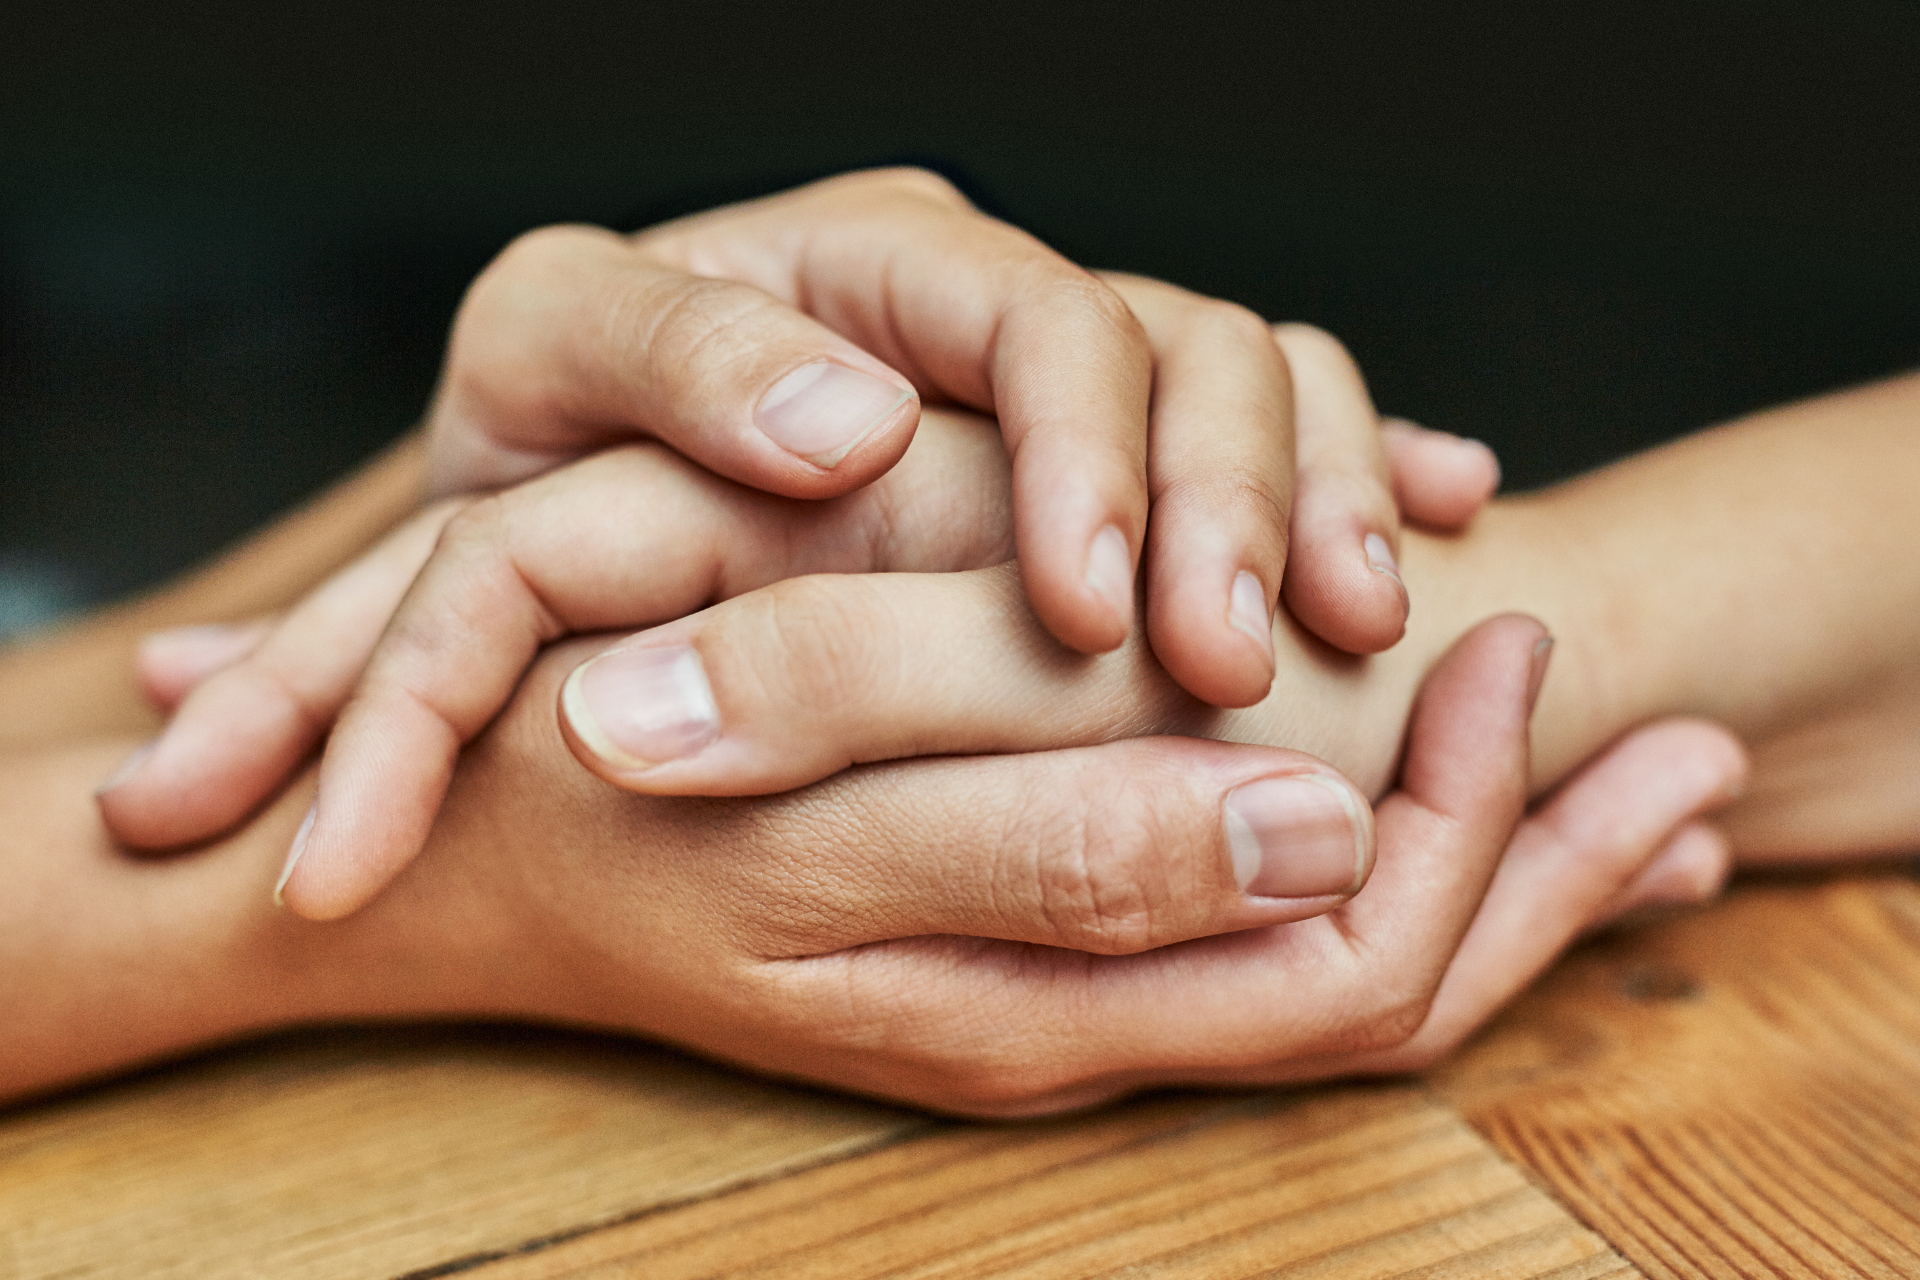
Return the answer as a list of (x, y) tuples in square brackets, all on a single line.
[(1732, 1093), (1348, 1182), (378, 1153)]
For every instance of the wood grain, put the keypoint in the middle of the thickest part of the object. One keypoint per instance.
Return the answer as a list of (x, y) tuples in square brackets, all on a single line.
[(1731, 1093), (375, 1154), (1356, 1182), (1736, 1093)]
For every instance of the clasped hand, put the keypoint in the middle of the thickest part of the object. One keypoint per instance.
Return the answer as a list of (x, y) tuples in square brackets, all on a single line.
[(1073, 911)]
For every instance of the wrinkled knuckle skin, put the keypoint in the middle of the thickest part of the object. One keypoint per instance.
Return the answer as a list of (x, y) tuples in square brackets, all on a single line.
[(827, 638), (1100, 887), (1105, 305), (1251, 495), (685, 320)]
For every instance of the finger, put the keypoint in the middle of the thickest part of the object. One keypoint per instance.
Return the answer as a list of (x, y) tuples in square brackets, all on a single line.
[(1343, 580), (1581, 858), (168, 664), (575, 338), (1069, 1028), (1220, 467), (795, 682), (239, 733), (1114, 850), (1439, 480), (630, 536), (1692, 867), (981, 313)]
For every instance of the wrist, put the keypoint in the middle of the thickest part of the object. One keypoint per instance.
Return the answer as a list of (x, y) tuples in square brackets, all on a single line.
[(1532, 555)]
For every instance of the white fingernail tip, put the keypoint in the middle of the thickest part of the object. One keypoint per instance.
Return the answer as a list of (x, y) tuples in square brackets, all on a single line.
[(1243, 846), (636, 708), (294, 852), (1247, 609), (1380, 556), (1110, 570)]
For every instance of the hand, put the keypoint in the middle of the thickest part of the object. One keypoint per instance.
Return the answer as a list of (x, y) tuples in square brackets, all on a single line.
[(626, 539), (785, 343), (1020, 934)]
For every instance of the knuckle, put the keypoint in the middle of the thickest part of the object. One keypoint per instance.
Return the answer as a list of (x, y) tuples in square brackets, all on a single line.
[(919, 182), (1218, 322), (1096, 875), (531, 259), (826, 637), (544, 246), (887, 1034), (1236, 489), (1100, 301), (682, 320), (1314, 346)]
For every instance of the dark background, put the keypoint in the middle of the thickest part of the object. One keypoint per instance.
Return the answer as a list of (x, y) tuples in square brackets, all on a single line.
[(232, 236)]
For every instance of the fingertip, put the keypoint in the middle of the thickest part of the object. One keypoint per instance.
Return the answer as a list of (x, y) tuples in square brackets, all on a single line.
[(1215, 639), (168, 664), (1469, 725), (628, 711), (329, 874), (1089, 606), (848, 425), (1690, 869), (1347, 590), (1439, 479)]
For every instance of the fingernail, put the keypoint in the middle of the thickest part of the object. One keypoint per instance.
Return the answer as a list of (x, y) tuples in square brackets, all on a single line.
[(1537, 672), (1297, 837), (1110, 570), (821, 410), (640, 707), (126, 768), (1247, 610), (294, 850), (1380, 557), (202, 646)]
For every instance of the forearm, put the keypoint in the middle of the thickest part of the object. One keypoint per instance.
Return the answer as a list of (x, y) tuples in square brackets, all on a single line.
[(110, 960), (78, 681), (1762, 575)]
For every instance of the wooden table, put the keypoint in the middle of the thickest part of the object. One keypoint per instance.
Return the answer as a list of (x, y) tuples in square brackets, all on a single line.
[(1734, 1092)]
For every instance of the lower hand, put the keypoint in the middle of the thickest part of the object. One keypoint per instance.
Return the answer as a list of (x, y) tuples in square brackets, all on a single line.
[(1020, 934)]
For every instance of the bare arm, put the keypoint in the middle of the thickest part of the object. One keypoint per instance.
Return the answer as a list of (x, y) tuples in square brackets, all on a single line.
[(1761, 574)]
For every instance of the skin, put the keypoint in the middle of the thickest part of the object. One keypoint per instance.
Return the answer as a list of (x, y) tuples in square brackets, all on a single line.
[(469, 590), (547, 896), (779, 934)]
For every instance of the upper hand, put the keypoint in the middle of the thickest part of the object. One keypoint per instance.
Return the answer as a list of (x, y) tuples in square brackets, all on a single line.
[(627, 539), (787, 344)]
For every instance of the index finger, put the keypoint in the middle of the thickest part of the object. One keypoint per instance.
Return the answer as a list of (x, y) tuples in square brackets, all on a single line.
[(975, 311)]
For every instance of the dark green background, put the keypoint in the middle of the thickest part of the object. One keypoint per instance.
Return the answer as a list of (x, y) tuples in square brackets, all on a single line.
[(231, 236)]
